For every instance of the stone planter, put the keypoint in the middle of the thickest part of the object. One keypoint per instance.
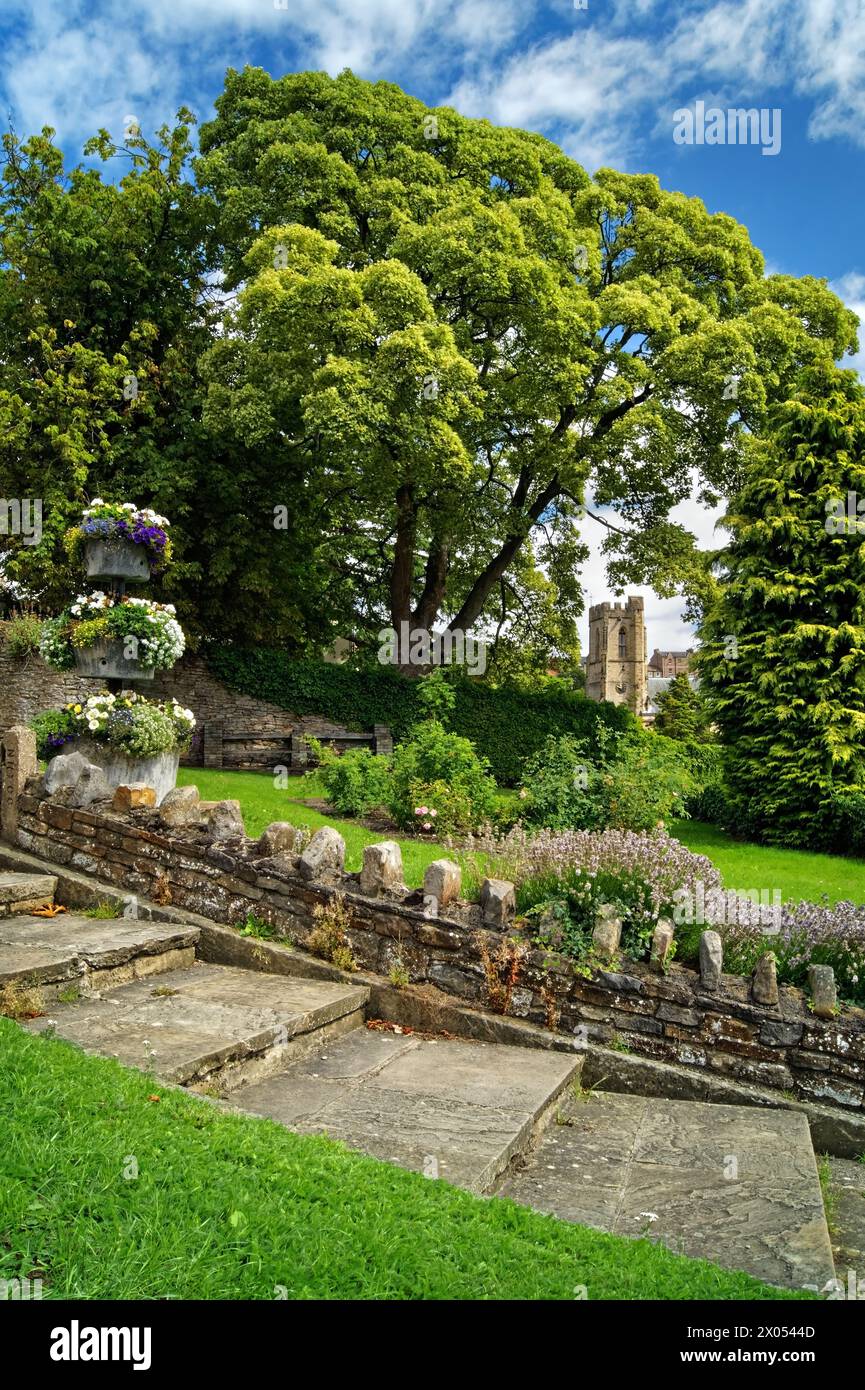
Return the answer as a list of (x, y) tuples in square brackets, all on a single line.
[(158, 771), (106, 660), (116, 559)]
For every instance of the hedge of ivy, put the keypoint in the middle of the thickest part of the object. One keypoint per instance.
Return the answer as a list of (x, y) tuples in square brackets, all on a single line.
[(505, 723)]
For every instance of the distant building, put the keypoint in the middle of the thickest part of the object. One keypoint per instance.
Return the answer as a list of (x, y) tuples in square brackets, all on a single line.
[(616, 665), (616, 659), (670, 663)]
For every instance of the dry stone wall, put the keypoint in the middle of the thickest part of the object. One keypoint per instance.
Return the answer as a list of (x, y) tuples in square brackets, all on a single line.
[(29, 685), (201, 863)]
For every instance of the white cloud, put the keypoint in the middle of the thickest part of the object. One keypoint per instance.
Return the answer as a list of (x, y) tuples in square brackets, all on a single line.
[(599, 88), (851, 288)]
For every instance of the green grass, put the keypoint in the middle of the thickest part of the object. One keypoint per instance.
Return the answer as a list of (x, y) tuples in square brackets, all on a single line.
[(798, 873), (262, 802), (231, 1207)]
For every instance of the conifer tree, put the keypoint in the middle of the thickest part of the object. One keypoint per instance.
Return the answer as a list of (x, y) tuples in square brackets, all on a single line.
[(783, 658)]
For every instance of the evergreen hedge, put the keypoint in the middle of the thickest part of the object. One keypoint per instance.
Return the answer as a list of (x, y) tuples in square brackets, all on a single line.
[(506, 723)]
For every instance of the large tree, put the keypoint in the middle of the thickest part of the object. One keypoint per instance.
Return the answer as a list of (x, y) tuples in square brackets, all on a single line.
[(109, 298), (458, 332), (783, 647)]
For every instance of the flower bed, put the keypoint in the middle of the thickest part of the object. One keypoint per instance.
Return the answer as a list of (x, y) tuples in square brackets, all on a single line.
[(136, 727), (150, 628), (123, 521), (563, 878)]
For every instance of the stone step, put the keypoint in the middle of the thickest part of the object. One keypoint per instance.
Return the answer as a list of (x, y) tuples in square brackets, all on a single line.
[(210, 1025), (54, 954), (729, 1183), (21, 893), (461, 1111)]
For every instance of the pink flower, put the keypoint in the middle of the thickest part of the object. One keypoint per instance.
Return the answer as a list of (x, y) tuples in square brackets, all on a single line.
[(421, 810), (432, 812), (427, 825)]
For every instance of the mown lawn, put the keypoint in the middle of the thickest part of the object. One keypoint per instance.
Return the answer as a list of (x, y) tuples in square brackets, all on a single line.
[(262, 802), (797, 873), (230, 1207)]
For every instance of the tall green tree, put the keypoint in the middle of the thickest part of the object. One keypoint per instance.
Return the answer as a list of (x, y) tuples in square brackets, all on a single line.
[(682, 711), (783, 654), (108, 302), (460, 332)]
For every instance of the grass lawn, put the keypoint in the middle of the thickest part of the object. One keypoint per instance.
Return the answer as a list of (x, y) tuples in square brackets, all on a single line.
[(262, 802), (798, 873), (230, 1207)]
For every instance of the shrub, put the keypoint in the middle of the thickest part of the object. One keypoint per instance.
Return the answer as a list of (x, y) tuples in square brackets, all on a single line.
[(356, 782), (23, 635), (506, 723), (433, 763), (141, 731), (632, 782), (53, 728)]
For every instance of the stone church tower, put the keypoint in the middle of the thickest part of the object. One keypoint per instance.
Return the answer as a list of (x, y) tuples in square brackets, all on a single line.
[(617, 657)]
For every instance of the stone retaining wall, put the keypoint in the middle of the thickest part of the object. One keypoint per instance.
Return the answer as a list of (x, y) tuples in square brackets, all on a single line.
[(28, 685), (669, 1016)]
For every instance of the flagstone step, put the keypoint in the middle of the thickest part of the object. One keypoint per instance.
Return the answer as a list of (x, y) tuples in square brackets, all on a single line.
[(733, 1184), (461, 1111), (210, 1025), (21, 893), (55, 953)]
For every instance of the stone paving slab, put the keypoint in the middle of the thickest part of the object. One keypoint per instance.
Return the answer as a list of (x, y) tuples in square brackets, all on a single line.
[(731, 1184), (21, 892), (199, 1019), (47, 949), (457, 1110), (847, 1181)]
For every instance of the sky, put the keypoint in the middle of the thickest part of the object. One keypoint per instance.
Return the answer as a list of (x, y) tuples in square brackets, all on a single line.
[(603, 78)]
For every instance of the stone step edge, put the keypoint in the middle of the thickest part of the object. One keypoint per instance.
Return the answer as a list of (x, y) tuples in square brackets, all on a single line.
[(834, 1131)]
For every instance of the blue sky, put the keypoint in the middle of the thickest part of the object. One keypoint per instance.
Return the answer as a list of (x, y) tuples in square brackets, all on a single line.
[(603, 81)]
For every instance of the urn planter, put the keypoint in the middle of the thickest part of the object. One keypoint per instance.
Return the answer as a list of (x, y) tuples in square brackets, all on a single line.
[(158, 771), (116, 559), (107, 660)]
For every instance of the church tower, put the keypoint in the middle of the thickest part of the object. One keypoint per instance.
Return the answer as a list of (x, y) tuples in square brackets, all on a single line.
[(617, 657)]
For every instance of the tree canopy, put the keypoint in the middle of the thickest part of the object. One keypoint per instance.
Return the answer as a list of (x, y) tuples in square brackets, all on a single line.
[(783, 654), (382, 354)]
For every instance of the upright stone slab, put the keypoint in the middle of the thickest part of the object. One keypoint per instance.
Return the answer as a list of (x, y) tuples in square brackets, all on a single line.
[(382, 868), (181, 807), (824, 995), (17, 762), (764, 985), (662, 944), (135, 796), (64, 771), (225, 821), (92, 785), (498, 903), (280, 837), (442, 881), (607, 934), (711, 960), (324, 856)]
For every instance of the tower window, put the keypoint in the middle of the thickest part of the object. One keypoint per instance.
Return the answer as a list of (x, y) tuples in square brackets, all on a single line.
[(623, 642)]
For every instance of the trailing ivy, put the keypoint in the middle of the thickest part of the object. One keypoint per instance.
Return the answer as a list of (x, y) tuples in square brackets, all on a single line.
[(506, 723)]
